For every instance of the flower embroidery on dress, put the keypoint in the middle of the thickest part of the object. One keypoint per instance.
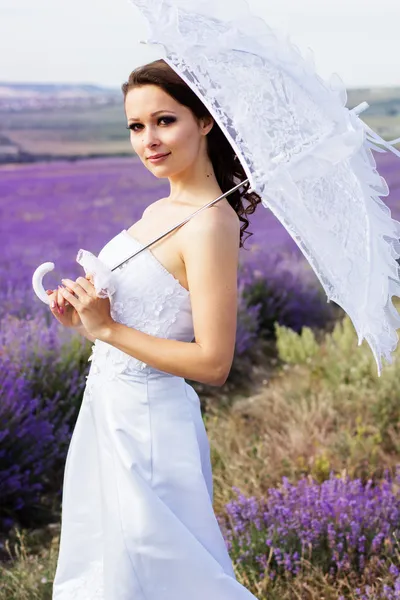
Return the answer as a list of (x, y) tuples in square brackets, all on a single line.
[(144, 305)]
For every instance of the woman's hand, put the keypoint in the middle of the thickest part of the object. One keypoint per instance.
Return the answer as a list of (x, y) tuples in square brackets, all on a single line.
[(94, 312), (69, 316)]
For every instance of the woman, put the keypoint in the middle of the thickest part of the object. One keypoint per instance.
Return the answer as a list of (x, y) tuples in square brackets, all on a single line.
[(137, 514)]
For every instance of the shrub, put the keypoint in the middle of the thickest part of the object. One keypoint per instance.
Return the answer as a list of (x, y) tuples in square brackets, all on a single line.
[(29, 445), (287, 292), (341, 526), (248, 322), (40, 394)]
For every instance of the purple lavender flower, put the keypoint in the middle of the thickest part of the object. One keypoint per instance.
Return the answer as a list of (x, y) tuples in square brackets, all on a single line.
[(339, 525)]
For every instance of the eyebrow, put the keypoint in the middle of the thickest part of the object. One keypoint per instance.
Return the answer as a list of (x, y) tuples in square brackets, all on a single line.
[(152, 114)]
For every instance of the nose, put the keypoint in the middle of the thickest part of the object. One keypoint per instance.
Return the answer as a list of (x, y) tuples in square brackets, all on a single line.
[(150, 140)]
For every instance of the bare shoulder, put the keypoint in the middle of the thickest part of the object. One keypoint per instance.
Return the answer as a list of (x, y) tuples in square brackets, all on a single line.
[(149, 209), (219, 222)]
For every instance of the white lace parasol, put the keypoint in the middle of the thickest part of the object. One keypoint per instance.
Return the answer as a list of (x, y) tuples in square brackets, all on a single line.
[(303, 151)]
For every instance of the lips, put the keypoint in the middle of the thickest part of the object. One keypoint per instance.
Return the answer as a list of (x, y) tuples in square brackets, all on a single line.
[(159, 155)]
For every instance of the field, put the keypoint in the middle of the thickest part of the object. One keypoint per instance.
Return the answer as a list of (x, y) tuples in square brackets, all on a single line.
[(55, 122), (305, 437)]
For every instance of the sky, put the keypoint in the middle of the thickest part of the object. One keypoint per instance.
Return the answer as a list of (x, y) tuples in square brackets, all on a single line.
[(98, 42)]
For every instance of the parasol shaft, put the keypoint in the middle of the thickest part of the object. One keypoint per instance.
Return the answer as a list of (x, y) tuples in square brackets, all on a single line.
[(184, 221)]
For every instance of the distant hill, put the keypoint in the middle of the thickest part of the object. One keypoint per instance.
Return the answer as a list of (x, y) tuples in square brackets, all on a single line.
[(37, 96), (83, 120), (383, 101)]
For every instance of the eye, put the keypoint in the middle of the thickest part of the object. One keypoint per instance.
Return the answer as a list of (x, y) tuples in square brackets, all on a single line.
[(169, 119)]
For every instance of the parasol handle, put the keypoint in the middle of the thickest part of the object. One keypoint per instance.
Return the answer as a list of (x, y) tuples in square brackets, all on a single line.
[(37, 278)]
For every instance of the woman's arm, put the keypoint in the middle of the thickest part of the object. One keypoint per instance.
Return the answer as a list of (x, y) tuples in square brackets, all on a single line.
[(183, 359), (80, 329), (210, 250)]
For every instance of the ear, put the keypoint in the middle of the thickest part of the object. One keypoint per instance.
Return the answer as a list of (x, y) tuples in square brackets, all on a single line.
[(206, 124)]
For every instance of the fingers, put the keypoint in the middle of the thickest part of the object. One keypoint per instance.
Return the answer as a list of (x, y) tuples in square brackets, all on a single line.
[(82, 284), (57, 306), (60, 301), (53, 300)]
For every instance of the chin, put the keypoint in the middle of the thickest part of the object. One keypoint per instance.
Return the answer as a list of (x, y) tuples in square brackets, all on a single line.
[(159, 175), (160, 170)]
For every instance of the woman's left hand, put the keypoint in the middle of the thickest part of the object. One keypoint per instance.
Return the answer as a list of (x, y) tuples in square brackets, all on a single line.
[(94, 312)]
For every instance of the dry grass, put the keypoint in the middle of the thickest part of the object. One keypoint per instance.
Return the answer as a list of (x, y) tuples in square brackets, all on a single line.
[(29, 573), (320, 415)]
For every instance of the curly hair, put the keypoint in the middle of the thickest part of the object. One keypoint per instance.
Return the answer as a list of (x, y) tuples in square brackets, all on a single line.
[(227, 168)]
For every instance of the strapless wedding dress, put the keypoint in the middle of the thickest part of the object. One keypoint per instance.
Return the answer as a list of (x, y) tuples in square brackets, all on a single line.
[(137, 515)]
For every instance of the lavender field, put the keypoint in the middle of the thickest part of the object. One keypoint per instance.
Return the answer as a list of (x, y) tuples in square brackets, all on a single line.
[(50, 210), (323, 414)]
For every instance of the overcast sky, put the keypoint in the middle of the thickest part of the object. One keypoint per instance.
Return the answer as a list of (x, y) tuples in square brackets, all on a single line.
[(88, 41)]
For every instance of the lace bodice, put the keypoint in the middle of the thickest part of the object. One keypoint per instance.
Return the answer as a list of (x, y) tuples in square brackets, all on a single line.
[(147, 298)]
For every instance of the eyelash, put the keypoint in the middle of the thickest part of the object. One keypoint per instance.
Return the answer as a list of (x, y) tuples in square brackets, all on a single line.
[(171, 119)]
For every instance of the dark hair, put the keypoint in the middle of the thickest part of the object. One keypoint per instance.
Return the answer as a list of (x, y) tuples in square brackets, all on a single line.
[(226, 165)]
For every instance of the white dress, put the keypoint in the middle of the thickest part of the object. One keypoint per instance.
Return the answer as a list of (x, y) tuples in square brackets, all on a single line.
[(137, 515)]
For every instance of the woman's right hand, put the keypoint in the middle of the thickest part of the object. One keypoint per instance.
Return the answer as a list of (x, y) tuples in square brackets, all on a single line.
[(69, 317)]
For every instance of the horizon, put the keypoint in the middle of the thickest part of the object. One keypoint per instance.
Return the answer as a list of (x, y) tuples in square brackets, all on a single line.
[(347, 37), (116, 88)]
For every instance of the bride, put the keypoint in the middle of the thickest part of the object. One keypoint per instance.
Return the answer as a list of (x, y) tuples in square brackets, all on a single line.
[(137, 512)]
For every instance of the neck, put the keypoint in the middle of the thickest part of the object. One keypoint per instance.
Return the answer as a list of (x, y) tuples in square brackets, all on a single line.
[(196, 186)]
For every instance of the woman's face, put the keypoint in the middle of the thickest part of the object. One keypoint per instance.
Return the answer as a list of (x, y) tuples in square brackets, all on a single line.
[(173, 130)]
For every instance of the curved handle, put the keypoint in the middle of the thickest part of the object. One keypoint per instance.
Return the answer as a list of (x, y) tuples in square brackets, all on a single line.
[(37, 278)]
